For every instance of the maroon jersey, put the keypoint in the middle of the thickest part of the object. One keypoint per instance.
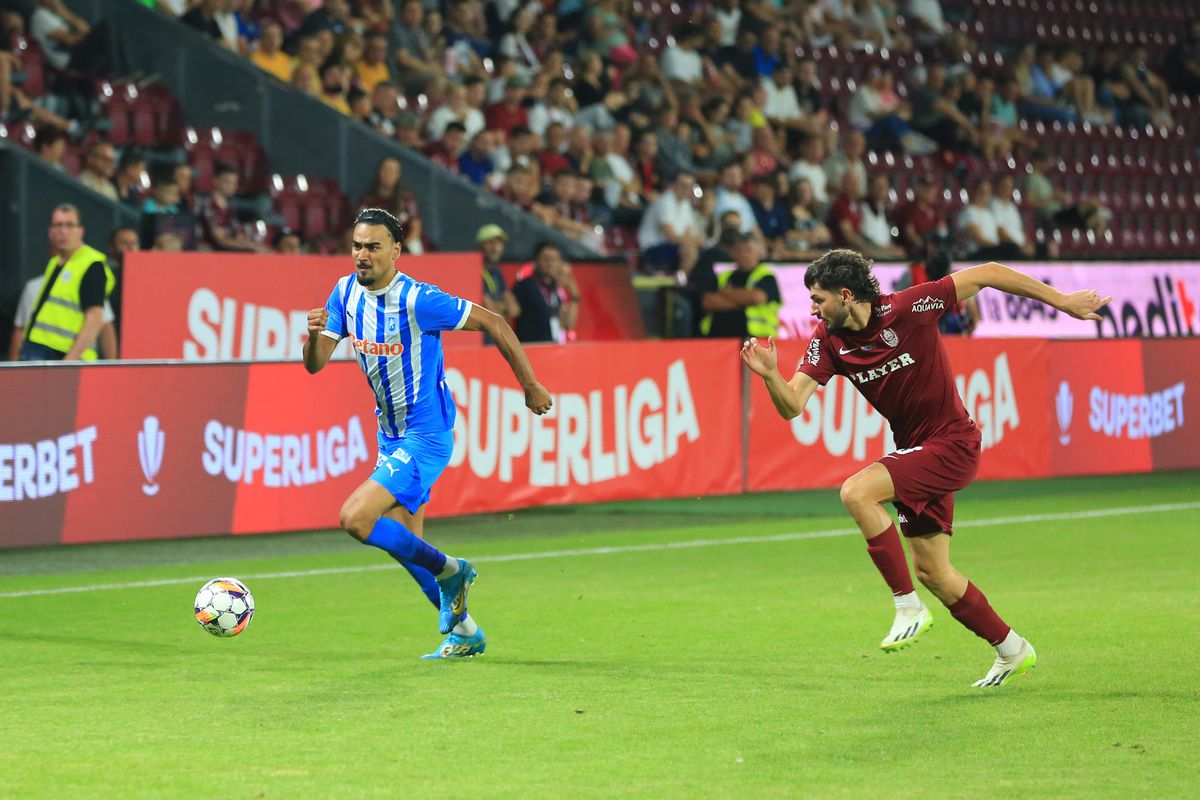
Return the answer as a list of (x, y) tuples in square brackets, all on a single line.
[(898, 363)]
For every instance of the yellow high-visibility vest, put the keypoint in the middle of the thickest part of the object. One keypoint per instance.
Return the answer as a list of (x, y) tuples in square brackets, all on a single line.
[(761, 320), (59, 321)]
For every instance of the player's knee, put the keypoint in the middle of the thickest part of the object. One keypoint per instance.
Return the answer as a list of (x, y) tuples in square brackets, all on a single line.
[(852, 493), (931, 574), (354, 521)]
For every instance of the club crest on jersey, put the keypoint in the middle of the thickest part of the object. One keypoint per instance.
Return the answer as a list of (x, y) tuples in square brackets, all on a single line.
[(889, 337), (392, 324), (928, 303)]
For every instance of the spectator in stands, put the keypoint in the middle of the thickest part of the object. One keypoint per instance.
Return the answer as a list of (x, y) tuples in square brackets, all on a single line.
[(408, 131), (509, 112), (515, 42), (476, 163), (605, 33), (168, 242), (287, 242), (335, 87), (930, 22), (848, 158), (130, 178), (548, 298), (521, 189), (164, 197), (810, 167), (935, 114), (1135, 92), (98, 168), (772, 217), (446, 150), (78, 281), (1052, 206), (919, 219), (682, 63), (232, 26), (579, 150), (387, 192), (669, 235), (978, 229), (417, 59), (372, 69), (876, 212), (558, 106), (561, 199), (729, 196), (1149, 86), (736, 63), (519, 150), (674, 145), (1004, 119), (203, 17), (1064, 70), (465, 25), (50, 144), (1009, 223), (69, 43), (593, 80), (768, 53), (455, 109), (385, 108), (305, 77), (809, 237), (331, 15), (552, 158), (219, 228), (183, 174), (845, 219), (613, 172), (497, 297), (877, 110), (268, 55), (1182, 67)]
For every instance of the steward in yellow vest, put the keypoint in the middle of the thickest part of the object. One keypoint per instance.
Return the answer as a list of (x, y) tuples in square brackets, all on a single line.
[(69, 311), (745, 301)]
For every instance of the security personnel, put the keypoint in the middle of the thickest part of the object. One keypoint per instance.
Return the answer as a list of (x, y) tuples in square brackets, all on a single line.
[(69, 312), (744, 301)]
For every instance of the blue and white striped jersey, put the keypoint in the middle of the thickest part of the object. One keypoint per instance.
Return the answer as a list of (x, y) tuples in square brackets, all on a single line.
[(396, 335)]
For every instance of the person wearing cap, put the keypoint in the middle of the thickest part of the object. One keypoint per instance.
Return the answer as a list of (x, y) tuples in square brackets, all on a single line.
[(742, 302), (510, 111), (497, 297)]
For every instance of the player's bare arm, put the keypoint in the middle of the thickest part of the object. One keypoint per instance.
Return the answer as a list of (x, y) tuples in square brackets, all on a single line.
[(537, 399), (791, 396), (1081, 304), (318, 348)]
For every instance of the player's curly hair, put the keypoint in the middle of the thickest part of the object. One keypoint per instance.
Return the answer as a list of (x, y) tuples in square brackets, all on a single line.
[(378, 216), (844, 269)]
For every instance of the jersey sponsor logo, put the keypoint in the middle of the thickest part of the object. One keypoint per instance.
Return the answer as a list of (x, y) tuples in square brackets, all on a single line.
[(814, 352), (928, 303), (890, 338), (883, 310), (1136, 416), (279, 460), (377, 348), (33, 470), (899, 362)]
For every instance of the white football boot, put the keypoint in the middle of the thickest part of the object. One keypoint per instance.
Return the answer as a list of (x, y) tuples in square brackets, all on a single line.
[(1009, 667), (908, 626)]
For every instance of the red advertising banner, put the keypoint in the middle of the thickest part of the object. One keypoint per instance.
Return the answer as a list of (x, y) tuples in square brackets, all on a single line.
[(1169, 414), (162, 451), (839, 433), (251, 307)]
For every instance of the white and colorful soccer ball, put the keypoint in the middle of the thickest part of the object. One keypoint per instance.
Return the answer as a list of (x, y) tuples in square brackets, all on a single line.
[(224, 607)]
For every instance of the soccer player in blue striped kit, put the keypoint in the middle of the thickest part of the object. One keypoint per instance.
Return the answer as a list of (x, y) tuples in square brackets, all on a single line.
[(395, 325)]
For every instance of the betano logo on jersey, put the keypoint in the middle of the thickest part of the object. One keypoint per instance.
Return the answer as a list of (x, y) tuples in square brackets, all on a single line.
[(377, 348)]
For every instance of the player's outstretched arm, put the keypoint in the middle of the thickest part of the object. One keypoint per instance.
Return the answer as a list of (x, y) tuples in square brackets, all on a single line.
[(319, 347), (537, 399), (1082, 304), (789, 397)]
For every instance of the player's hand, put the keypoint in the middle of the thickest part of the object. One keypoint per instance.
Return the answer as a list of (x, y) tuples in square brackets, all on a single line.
[(537, 399), (1084, 303), (316, 321), (760, 360)]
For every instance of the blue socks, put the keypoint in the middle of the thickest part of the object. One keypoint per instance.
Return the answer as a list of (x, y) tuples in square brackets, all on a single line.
[(401, 544), (426, 581)]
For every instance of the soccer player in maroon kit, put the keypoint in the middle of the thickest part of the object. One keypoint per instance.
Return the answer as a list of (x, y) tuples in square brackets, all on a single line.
[(889, 347)]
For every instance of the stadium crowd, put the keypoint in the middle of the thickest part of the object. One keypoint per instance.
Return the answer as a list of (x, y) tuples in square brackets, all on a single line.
[(646, 129)]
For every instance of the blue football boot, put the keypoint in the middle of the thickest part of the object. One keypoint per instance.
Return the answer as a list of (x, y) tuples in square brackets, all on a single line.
[(459, 646), (453, 592)]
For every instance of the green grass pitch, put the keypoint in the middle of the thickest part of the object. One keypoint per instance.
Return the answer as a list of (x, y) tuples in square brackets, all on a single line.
[(634, 651)]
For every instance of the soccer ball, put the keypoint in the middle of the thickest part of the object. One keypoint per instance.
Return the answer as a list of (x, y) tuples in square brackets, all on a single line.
[(224, 607)]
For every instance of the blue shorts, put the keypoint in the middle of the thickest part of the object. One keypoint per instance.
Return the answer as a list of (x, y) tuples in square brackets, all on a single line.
[(407, 467)]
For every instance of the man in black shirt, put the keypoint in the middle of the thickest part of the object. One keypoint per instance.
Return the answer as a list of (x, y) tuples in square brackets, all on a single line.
[(548, 297)]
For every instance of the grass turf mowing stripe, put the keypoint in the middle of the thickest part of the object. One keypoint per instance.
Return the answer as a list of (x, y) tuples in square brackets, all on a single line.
[(633, 548)]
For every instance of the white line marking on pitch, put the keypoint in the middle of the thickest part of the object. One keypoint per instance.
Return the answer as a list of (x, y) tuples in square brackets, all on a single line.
[(631, 548)]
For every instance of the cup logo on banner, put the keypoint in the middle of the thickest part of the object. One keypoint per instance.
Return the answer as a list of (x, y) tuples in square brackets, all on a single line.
[(151, 442), (1064, 404)]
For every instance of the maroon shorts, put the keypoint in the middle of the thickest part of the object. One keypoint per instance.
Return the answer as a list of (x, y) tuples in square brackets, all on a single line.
[(926, 478)]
